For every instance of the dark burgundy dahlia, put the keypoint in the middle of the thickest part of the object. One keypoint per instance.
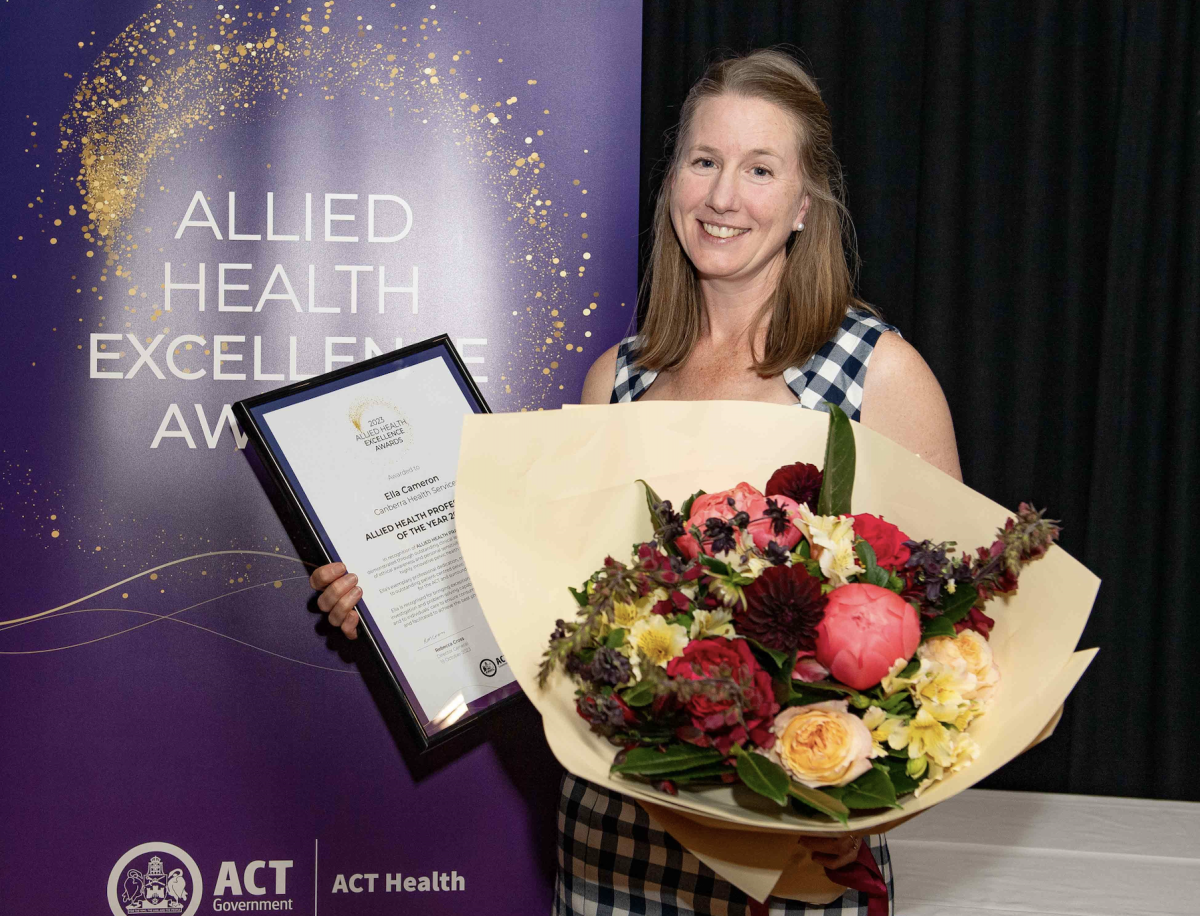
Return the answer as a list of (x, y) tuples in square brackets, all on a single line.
[(799, 481), (783, 607)]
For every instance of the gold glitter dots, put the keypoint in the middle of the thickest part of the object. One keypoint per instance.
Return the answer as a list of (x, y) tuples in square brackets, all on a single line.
[(54, 241), (54, 533), (587, 255), (575, 182), (153, 576), (554, 365), (277, 584), (544, 372), (583, 216)]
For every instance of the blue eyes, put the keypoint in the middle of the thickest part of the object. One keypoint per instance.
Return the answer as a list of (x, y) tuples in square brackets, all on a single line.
[(757, 171)]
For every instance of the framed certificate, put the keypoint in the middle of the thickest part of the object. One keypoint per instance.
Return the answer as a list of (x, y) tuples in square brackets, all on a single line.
[(368, 454)]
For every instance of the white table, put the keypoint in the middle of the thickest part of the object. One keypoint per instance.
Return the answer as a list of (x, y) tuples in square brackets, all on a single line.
[(988, 853)]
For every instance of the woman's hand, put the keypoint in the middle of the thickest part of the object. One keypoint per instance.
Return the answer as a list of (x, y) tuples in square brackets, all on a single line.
[(339, 593), (832, 852)]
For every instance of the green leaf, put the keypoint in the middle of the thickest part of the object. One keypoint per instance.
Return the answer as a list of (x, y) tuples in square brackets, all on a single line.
[(902, 783), (686, 510), (873, 573), (657, 520), (777, 657), (911, 668), (580, 595), (895, 584), (957, 606), (804, 550), (936, 626), (873, 789), (640, 694), (762, 775), (699, 774), (674, 758), (819, 800), (615, 639), (837, 486), (714, 565)]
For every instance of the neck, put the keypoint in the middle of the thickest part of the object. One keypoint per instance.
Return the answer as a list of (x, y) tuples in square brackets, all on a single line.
[(731, 304)]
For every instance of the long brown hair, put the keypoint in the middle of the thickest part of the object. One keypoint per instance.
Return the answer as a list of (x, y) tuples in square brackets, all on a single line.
[(816, 286)]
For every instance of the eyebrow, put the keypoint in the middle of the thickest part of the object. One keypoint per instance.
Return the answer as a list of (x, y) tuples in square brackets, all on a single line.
[(753, 152)]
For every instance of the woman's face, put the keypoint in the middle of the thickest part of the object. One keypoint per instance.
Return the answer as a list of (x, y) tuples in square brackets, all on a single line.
[(738, 192)]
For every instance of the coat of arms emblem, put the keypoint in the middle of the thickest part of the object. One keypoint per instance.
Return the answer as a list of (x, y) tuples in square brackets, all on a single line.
[(155, 890)]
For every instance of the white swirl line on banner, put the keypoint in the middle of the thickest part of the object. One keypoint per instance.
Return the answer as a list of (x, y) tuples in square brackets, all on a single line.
[(174, 619), (5, 624), (170, 617)]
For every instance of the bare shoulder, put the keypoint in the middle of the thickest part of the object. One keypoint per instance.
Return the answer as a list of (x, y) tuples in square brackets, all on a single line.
[(597, 387), (903, 400)]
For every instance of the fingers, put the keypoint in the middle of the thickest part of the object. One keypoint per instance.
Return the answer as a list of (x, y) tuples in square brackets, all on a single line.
[(324, 576), (344, 605), (335, 592), (350, 624), (835, 852)]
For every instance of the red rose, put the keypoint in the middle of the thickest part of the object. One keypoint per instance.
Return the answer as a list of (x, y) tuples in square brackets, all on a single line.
[(885, 539), (745, 498), (799, 482), (715, 713)]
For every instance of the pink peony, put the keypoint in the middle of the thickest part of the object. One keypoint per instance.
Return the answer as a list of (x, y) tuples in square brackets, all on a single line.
[(745, 499), (865, 630)]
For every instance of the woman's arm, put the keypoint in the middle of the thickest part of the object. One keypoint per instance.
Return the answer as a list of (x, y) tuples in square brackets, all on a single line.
[(598, 386), (903, 400)]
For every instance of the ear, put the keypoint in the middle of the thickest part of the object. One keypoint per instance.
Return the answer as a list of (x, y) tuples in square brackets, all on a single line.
[(803, 212)]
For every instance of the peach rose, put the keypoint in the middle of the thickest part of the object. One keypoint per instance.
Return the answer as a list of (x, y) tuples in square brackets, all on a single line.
[(972, 650), (865, 630), (822, 744)]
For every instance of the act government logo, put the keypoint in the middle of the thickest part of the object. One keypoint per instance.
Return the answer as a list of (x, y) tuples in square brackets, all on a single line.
[(155, 878)]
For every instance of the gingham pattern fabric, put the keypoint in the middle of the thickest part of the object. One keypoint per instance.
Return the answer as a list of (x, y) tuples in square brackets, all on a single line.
[(613, 860), (834, 374)]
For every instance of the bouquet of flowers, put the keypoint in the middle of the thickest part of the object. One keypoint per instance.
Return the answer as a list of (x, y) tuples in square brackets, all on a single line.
[(771, 638), (767, 641)]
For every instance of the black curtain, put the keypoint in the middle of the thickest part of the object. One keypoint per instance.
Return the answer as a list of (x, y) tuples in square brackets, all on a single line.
[(1024, 178)]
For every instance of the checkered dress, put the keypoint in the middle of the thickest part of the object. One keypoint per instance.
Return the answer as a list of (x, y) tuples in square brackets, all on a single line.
[(835, 373), (613, 860)]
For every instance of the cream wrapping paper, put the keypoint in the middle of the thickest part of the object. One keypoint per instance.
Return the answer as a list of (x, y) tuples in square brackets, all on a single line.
[(542, 498)]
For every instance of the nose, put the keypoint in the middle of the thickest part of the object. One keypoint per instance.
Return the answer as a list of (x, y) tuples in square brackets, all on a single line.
[(723, 193)]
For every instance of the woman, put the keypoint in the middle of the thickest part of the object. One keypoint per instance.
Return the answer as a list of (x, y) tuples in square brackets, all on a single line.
[(749, 296)]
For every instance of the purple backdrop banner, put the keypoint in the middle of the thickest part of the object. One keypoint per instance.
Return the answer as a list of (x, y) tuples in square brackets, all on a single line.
[(206, 200)]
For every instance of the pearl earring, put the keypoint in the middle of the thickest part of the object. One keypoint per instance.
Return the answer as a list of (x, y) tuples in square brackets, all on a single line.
[(800, 227)]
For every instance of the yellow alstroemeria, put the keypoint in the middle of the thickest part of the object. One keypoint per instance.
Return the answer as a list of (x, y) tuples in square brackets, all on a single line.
[(885, 729), (831, 543), (963, 750), (712, 623), (930, 738), (657, 641), (943, 690)]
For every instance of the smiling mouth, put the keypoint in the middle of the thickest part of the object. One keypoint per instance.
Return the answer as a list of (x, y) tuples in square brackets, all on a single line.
[(722, 232)]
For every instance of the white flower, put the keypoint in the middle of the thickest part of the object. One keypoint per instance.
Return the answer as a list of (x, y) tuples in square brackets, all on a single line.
[(712, 623), (831, 543), (963, 750), (885, 729), (657, 641)]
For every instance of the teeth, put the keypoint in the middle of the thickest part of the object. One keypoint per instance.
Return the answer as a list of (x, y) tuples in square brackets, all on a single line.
[(722, 232)]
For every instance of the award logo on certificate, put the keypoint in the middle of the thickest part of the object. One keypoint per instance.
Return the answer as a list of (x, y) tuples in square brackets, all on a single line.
[(369, 454)]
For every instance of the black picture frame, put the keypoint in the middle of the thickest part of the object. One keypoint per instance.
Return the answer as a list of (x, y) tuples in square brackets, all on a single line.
[(249, 414)]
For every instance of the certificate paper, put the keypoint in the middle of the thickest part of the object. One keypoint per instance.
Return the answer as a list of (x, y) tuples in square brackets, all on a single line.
[(372, 457)]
